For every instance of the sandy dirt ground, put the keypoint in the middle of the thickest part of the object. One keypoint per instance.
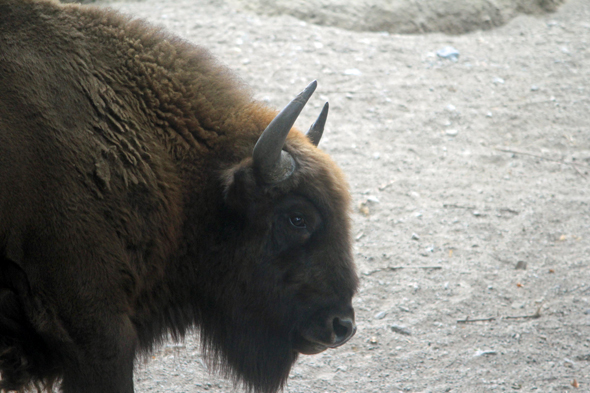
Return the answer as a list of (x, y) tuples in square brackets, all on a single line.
[(403, 16), (461, 171)]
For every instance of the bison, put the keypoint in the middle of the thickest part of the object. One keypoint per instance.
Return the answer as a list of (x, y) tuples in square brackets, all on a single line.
[(144, 193)]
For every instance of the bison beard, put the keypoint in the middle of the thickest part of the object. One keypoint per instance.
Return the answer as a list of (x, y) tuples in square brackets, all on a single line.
[(143, 193), (247, 351)]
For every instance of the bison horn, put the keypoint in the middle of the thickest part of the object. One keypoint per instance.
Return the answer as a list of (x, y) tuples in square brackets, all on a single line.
[(317, 128), (272, 163)]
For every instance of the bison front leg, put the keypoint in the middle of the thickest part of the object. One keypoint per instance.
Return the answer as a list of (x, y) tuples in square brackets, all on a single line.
[(105, 362)]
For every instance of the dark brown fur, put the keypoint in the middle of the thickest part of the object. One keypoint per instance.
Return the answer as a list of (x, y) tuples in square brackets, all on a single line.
[(129, 208)]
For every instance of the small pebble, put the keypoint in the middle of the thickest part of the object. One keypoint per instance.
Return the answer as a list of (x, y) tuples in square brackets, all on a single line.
[(380, 315), (401, 330), (451, 132), (568, 363), (520, 265), (372, 199), (449, 53), (575, 383), (415, 236), (480, 353), (353, 72), (364, 209)]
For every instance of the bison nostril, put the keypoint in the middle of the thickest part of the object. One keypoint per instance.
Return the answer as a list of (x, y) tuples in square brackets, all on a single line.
[(344, 328)]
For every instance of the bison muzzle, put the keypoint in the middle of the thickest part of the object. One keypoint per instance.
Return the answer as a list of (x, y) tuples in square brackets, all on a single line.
[(143, 192)]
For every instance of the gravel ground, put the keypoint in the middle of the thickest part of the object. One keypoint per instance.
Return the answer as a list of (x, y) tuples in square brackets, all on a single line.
[(460, 171)]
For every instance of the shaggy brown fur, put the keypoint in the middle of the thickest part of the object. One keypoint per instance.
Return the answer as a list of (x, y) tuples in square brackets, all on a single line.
[(130, 210)]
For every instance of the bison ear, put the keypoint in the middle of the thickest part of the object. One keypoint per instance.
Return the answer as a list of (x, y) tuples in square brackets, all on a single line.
[(239, 186), (13, 277), (271, 163)]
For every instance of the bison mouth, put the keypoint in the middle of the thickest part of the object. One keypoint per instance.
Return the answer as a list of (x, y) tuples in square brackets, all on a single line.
[(316, 338), (306, 347)]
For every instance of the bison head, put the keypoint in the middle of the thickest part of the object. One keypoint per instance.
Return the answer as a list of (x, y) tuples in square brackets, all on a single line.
[(286, 229)]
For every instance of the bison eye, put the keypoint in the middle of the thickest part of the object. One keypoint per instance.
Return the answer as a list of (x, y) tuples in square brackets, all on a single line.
[(297, 221)]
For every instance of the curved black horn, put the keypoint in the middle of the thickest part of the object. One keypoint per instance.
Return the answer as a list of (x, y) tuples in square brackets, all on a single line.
[(272, 163), (317, 128)]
